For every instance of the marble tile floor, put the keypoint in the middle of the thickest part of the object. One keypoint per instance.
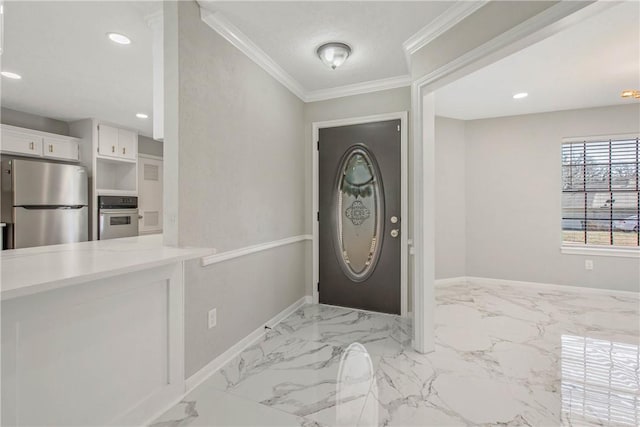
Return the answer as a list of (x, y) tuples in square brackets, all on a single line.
[(504, 355)]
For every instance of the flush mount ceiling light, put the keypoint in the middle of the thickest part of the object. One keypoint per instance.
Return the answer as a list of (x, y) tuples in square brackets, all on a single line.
[(10, 75), (142, 116), (629, 93), (334, 54), (119, 38), (520, 95)]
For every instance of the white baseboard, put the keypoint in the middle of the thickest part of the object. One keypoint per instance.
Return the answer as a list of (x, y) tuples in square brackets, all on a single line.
[(212, 367), (485, 281), (451, 281)]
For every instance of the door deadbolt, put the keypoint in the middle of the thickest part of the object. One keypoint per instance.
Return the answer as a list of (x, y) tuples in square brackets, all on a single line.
[(394, 219), (394, 232)]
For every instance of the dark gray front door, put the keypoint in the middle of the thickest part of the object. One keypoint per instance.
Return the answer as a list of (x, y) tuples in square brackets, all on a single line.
[(359, 183)]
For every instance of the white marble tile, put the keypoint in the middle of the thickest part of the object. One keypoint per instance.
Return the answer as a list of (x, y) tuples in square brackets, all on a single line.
[(381, 334), (306, 378), (206, 406), (504, 355)]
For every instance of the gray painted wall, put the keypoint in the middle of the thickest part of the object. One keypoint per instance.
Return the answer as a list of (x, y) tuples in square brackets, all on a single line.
[(32, 121), (513, 198), (149, 146), (450, 209), (241, 175)]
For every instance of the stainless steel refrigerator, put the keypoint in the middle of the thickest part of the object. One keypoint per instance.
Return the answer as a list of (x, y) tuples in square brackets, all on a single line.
[(44, 203)]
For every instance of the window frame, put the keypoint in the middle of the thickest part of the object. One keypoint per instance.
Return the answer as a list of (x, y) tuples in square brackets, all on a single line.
[(592, 249)]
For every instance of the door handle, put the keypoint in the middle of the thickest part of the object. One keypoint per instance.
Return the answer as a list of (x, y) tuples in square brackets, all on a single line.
[(51, 148), (124, 150), (394, 233), (113, 148), (140, 217), (31, 146)]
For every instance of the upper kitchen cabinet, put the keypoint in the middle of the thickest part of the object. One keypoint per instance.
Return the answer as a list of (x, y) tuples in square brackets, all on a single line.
[(33, 143), (118, 143)]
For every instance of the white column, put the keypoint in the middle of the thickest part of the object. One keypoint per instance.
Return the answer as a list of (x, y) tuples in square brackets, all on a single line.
[(423, 109), (171, 190), (156, 22)]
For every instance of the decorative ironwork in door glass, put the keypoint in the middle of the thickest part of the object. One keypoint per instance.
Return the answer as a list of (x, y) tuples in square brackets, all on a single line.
[(359, 211)]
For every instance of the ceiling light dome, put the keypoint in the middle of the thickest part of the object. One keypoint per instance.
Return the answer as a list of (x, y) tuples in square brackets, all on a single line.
[(334, 54)]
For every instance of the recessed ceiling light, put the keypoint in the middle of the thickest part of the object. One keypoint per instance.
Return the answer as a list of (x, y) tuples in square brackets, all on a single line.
[(10, 75), (142, 116), (520, 95), (119, 38)]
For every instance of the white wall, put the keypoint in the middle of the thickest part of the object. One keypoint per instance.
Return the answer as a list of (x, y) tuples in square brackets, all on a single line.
[(513, 198), (240, 169)]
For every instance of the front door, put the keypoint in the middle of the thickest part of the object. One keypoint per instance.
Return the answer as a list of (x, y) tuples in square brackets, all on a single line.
[(359, 219)]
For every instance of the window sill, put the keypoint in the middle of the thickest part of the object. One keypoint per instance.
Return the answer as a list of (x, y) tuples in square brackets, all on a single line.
[(601, 251)]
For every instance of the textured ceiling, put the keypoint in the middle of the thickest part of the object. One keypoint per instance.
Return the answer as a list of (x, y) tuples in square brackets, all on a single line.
[(587, 65), (290, 32), (70, 70)]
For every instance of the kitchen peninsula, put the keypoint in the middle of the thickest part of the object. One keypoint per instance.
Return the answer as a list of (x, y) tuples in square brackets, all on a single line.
[(92, 332)]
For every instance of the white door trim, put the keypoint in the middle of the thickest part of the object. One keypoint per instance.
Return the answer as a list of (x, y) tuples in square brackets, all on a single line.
[(549, 22), (404, 197)]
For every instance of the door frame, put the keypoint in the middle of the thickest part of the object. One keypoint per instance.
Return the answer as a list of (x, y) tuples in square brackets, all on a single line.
[(404, 197)]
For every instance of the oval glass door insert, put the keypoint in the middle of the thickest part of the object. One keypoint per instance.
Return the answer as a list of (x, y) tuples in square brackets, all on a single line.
[(359, 213)]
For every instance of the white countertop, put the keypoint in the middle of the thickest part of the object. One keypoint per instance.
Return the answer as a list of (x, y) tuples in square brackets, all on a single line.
[(31, 270)]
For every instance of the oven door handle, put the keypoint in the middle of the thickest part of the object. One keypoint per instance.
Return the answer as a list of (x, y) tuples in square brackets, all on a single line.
[(132, 212)]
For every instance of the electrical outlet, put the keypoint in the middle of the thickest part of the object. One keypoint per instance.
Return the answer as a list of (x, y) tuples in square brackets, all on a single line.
[(588, 264), (213, 318)]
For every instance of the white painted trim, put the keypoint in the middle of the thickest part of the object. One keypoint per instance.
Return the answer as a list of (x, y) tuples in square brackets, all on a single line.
[(485, 281), (542, 22), (458, 11), (611, 251), (225, 256), (212, 367), (461, 280), (238, 39), (151, 156), (404, 197), (358, 88)]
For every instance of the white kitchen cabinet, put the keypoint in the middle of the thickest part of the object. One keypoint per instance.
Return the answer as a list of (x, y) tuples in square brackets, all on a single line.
[(33, 143), (19, 142), (127, 144), (107, 141), (58, 148), (118, 143)]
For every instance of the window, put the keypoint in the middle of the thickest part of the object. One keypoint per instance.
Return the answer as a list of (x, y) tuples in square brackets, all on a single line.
[(601, 192)]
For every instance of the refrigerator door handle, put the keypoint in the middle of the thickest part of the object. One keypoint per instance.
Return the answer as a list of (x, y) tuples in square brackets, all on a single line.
[(49, 207)]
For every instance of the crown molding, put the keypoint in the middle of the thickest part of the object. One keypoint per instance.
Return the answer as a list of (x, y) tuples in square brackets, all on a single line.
[(358, 88), (238, 39), (444, 22), (453, 15), (560, 16)]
